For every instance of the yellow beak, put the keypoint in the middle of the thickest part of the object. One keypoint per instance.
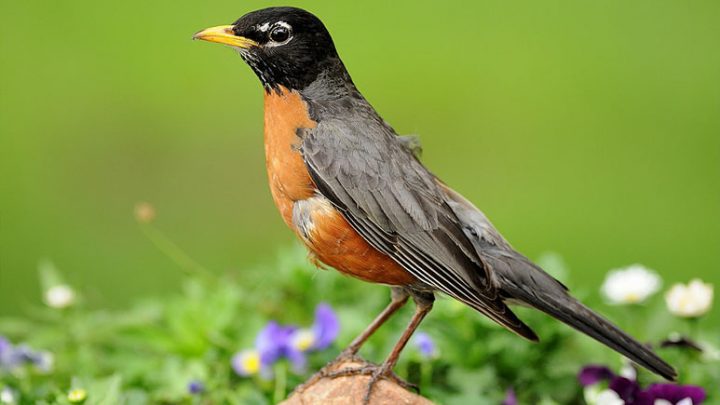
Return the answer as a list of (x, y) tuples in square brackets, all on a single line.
[(223, 34)]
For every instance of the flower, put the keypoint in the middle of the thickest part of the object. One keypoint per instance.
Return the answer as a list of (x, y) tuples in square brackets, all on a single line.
[(628, 370), (144, 212), (273, 341), (270, 344), (596, 396), (630, 285), (77, 395), (684, 401), (593, 374), (6, 353), (246, 362), (676, 394), (609, 397), (12, 357), (424, 343), (60, 296), (691, 300), (44, 361), (195, 387), (510, 397), (628, 390), (8, 396), (321, 335), (276, 341)]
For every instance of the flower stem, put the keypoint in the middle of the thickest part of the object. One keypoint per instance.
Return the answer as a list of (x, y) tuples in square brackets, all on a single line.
[(425, 373), (189, 266), (280, 382), (693, 327)]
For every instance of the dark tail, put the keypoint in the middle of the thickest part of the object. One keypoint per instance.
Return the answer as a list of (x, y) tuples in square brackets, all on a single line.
[(520, 279), (523, 281), (582, 318)]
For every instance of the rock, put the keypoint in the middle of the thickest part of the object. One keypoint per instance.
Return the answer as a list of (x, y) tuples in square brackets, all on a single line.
[(350, 390)]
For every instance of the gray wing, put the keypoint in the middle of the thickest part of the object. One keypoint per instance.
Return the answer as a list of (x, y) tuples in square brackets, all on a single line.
[(395, 204)]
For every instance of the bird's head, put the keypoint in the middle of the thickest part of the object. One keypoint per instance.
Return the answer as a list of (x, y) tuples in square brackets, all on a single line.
[(285, 46)]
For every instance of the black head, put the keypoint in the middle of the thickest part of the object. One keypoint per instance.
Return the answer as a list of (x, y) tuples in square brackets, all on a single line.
[(285, 46)]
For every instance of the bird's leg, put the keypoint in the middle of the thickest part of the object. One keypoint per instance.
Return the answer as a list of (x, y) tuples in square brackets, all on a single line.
[(423, 305), (398, 298)]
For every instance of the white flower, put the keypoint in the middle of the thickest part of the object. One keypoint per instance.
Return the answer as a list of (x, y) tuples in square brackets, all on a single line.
[(684, 401), (597, 396), (60, 296), (8, 396), (691, 300), (630, 285), (628, 371)]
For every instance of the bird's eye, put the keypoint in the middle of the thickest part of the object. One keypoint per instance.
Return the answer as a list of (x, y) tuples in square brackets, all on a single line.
[(280, 34)]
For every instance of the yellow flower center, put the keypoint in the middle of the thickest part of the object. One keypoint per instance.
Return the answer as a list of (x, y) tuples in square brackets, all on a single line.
[(304, 340), (685, 302), (251, 362), (77, 395), (632, 298)]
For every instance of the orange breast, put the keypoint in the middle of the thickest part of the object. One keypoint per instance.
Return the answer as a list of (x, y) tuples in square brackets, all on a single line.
[(289, 179), (318, 224)]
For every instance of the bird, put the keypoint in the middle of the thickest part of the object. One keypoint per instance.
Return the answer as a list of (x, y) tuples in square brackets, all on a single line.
[(359, 198)]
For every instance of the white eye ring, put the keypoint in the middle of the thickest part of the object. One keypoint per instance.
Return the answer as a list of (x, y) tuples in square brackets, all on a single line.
[(280, 27)]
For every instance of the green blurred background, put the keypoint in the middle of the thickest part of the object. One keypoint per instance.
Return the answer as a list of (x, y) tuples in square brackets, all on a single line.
[(587, 128)]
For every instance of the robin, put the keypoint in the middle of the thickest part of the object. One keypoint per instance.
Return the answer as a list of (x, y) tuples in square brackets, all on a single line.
[(357, 196)]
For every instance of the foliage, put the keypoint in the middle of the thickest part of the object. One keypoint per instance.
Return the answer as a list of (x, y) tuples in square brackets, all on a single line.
[(178, 348)]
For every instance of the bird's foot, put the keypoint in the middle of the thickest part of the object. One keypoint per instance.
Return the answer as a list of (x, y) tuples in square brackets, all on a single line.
[(376, 373)]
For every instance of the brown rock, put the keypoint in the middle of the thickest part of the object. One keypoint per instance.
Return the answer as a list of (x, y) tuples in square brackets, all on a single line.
[(350, 390)]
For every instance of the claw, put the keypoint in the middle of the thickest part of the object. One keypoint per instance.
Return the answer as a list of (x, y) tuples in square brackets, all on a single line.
[(376, 374), (384, 373)]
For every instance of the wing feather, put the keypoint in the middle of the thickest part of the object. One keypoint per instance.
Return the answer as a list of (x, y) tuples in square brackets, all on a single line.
[(395, 204)]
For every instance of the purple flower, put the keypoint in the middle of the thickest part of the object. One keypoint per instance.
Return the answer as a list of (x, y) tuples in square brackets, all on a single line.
[(326, 327), (7, 353), (425, 345), (195, 387), (270, 344), (630, 391), (593, 374), (319, 336), (510, 397), (626, 389), (12, 357), (276, 341), (674, 393), (42, 360)]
